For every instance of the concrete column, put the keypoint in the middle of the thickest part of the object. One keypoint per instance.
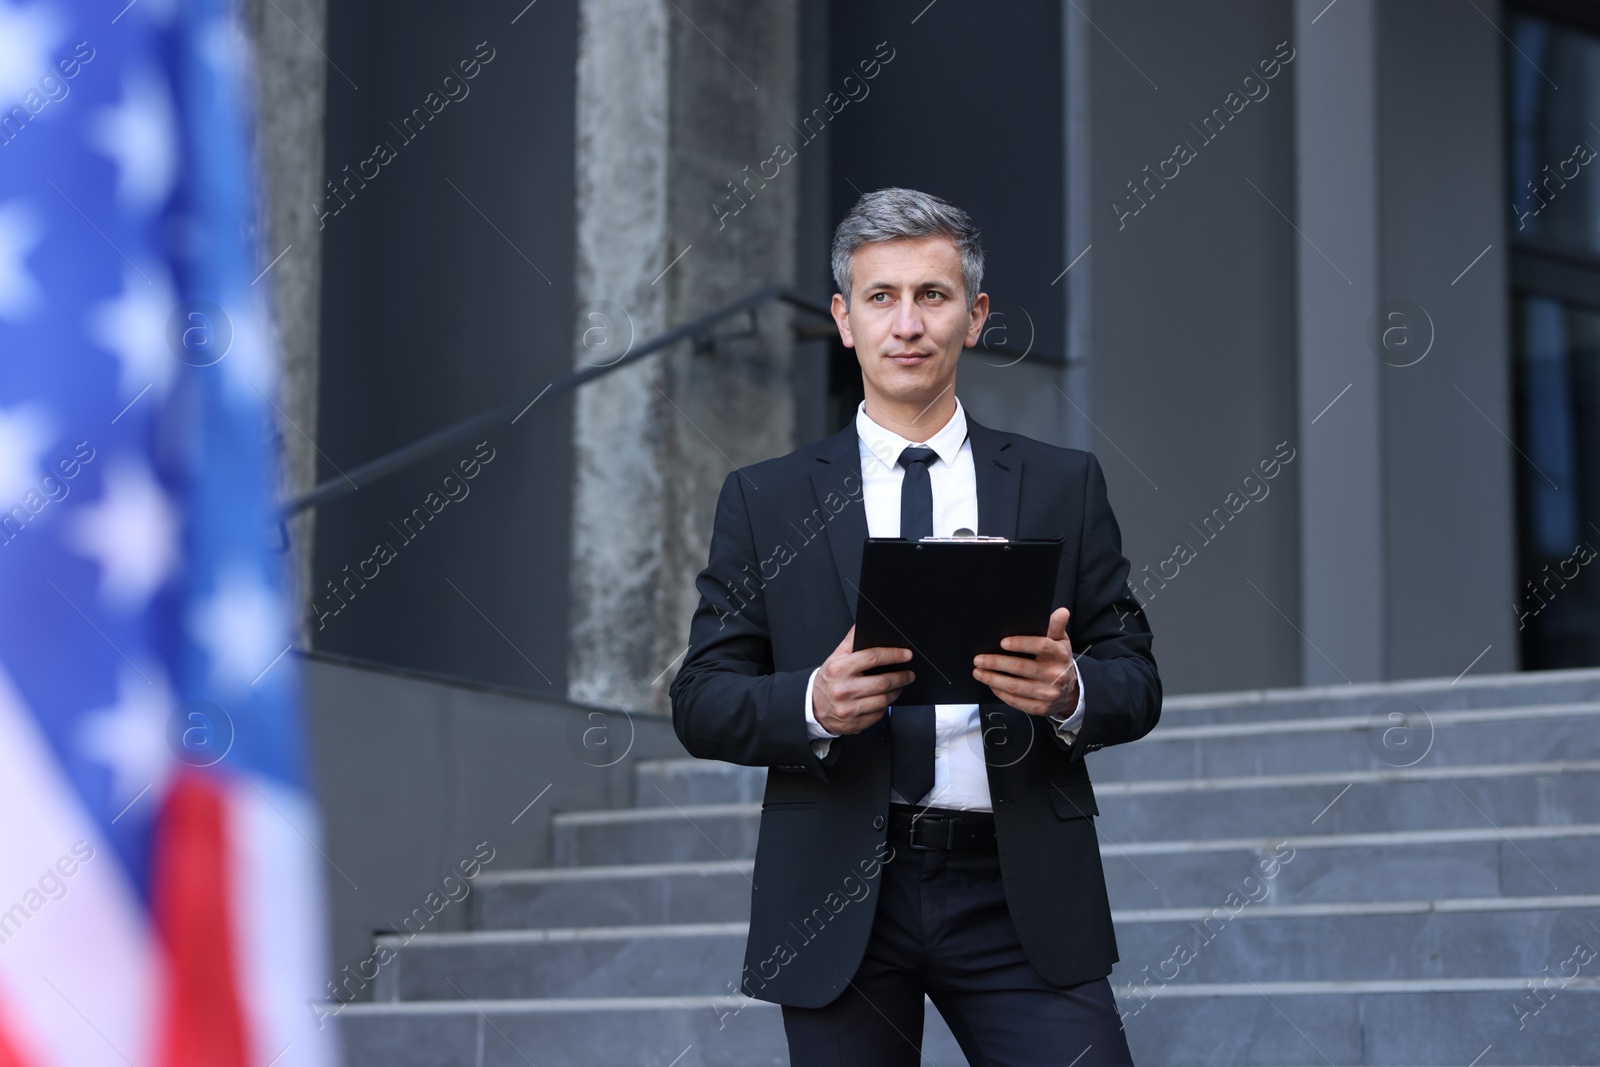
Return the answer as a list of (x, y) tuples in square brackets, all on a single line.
[(685, 200), (1340, 448), (1450, 478), (291, 101), (1077, 379)]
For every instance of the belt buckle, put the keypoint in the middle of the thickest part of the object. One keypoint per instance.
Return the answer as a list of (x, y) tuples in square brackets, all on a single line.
[(918, 829)]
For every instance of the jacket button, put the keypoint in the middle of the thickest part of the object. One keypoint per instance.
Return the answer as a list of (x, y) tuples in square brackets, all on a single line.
[(877, 822)]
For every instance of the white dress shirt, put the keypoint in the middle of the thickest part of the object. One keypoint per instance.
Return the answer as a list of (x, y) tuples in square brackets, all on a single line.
[(960, 777)]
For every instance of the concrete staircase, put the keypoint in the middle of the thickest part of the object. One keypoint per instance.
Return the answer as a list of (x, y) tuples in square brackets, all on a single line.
[(1405, 873)]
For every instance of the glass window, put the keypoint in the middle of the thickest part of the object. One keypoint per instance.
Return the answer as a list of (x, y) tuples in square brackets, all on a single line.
[(1554, 136), (1553, 165), (1557, 349)]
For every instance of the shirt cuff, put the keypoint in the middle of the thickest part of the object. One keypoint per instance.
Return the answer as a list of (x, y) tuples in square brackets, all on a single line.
[(820, 737), (1067, 727)]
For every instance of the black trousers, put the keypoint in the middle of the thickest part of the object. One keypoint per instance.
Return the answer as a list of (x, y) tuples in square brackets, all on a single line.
[(942, 929)]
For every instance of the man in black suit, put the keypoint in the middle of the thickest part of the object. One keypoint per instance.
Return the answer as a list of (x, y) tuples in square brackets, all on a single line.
[(950, 850)]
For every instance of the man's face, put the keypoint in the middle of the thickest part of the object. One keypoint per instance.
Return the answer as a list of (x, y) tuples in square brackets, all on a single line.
[(908, 318)]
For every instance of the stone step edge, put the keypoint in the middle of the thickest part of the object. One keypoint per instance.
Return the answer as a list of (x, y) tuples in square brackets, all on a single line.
[(1246, 698), (1147, 787), (545, 875), (1351, 987), (1375, 838), (1362, 690), (1351, 909), (1253, 698), (1186, 785), (1322, 724), (1345, 723)]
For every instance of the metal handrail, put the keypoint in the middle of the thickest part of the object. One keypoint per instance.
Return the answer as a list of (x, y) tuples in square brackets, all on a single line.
[(390, 462), (404, 456)]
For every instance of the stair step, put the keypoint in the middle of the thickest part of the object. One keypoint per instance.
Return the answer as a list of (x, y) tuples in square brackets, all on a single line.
[(691, 781), (1263, 806), (1428, 1023), (679, 1031), (1427, 881), (1430, 694), (1187, 747), (1229, 942), (654, 835), (612, 896), (663, 783), (617, 961), (1480, 864), (1388, 940), (650, 1032), (1418, 799), (1434, 1022), (1355, 743)]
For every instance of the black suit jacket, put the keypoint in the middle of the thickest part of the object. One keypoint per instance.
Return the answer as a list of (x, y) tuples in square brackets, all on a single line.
[(777, 596)]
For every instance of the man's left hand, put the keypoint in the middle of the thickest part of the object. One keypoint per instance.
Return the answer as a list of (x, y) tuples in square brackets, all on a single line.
[(1044, 685)]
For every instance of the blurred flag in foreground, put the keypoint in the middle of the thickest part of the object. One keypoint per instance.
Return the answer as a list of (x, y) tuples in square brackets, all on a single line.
[(160, 891)]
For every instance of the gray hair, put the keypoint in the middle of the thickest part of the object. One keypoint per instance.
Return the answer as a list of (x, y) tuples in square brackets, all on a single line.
[(891, 214)]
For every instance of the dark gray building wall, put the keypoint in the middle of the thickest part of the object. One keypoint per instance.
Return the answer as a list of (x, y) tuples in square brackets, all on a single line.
[(813, 275), (429, 313), (413, 774), (1192, 318), (969, 109), (1449, 498), (1338, 286), (448, 290)]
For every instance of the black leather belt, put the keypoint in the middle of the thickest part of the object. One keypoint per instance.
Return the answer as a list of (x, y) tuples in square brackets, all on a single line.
[(941, 828)]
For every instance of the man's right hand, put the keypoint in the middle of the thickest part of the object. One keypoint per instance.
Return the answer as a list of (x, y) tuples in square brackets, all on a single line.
[(845, 699)]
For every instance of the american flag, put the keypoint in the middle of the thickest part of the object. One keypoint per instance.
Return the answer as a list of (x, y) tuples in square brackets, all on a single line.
[(160, 883)]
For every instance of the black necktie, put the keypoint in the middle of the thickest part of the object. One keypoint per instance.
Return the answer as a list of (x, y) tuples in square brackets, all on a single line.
[(911, 731)]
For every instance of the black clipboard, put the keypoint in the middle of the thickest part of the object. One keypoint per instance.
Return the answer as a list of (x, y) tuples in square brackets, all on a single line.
[(949, 599)]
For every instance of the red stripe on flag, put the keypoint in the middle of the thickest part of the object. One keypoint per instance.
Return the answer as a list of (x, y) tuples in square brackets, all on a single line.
[(201, 1024), (9, 1056)]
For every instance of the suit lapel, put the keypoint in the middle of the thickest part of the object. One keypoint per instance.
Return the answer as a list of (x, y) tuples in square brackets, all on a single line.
[(999, 475), (996, 467), (838, 471)]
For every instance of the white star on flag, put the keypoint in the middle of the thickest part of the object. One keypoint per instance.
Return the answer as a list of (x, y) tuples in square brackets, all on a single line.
[(242, 626), (134, 327), (226, 46), (25, 433), (158, 11), (140, 137), (132, 531), (130, 736), (26, 37), (20, 232), (250, 369)]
